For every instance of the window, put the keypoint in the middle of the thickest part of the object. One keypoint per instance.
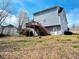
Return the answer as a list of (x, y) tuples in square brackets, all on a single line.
[(57, 28), (44, 20), (54, 28)]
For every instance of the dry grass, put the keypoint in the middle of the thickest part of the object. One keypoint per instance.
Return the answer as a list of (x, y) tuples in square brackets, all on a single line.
[(47, 47)]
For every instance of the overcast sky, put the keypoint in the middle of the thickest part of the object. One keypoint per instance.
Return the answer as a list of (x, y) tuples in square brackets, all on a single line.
[(71, 7)]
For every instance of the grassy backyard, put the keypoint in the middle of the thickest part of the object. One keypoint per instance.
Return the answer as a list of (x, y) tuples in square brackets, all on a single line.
[(46, 47)]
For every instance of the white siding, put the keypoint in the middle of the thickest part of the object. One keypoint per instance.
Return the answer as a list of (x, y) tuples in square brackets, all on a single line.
[(51, 19), (48, 19), (63, 21)]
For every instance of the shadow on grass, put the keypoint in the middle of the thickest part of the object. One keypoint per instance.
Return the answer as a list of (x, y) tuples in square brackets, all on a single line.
[(2, 35)]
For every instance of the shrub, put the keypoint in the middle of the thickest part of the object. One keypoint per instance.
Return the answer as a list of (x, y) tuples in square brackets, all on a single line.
[(68, 33)]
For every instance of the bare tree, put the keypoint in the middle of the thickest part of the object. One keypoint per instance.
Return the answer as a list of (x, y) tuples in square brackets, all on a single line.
[(22, 18), (4, 10)]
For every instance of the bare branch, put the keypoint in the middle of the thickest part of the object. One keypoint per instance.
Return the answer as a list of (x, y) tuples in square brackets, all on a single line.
[(22, 18), (4, 10)]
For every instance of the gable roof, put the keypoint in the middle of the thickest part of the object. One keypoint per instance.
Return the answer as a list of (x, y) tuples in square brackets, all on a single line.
[(10, 25), (46, 10)]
